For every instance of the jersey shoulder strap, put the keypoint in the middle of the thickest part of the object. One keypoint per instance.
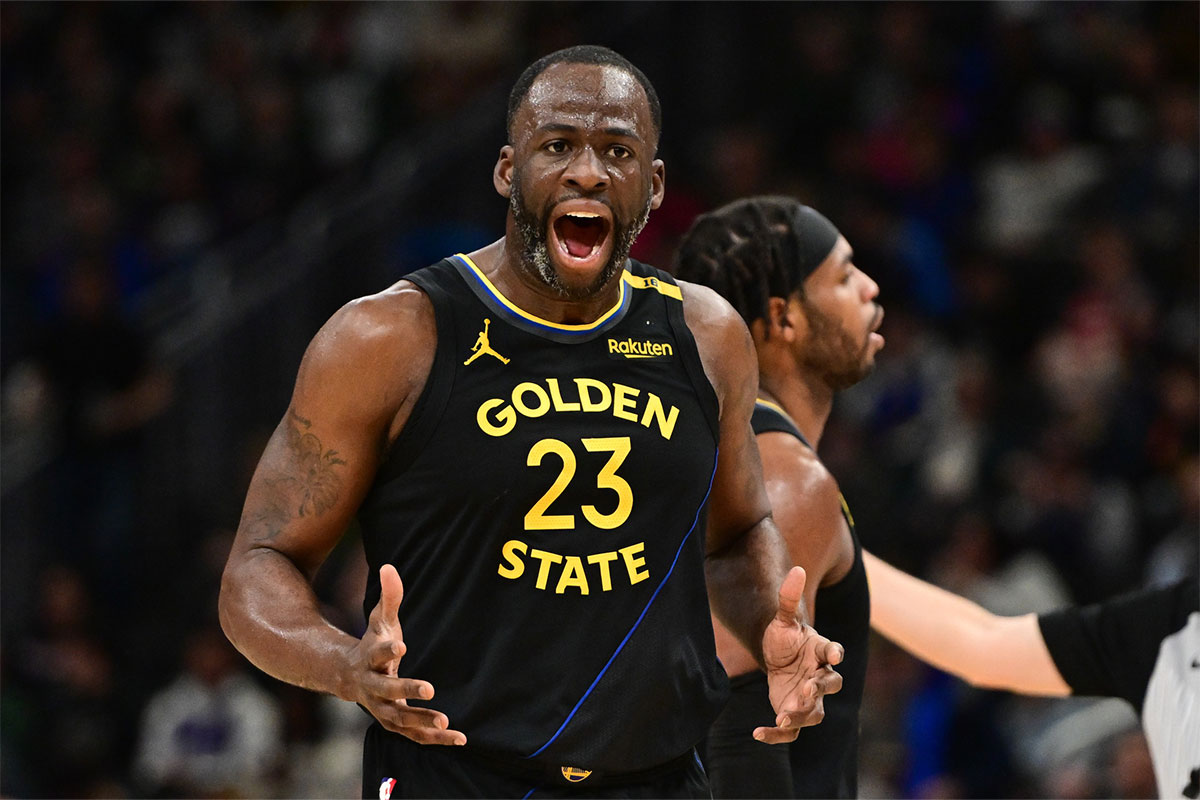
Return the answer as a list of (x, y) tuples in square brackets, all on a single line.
[(769, 417), (651, 281)]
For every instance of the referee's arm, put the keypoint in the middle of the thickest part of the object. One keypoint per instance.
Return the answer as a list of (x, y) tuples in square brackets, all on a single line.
[(961, 637)]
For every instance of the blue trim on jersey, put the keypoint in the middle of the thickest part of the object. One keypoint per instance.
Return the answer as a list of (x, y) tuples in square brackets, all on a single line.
[(529, 793), (641, 616), (517, 313)]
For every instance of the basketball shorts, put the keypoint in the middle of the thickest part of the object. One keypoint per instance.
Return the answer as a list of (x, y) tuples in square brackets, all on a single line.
[(739, 766), (395, 767)]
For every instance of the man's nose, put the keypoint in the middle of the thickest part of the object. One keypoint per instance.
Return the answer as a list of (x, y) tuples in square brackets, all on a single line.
[(870, 287), (586, 171)]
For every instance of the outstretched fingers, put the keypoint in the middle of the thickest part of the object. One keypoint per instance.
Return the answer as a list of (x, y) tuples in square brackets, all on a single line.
[(384, 694), (804, 708), (385, 654), (821, 656), (383, 644), (391, 593), (827, 652), (781, 734), (422, 725), (799, 664), (826, 681), (791, 594), (388, 688)]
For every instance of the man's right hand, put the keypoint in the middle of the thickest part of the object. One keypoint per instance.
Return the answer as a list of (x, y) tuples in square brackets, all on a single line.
[(375, 662)]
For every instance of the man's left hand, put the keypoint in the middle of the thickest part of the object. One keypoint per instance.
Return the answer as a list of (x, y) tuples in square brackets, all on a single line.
[(799, 663)]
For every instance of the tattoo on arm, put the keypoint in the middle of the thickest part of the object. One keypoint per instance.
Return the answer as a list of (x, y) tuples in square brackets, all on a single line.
[(316, 485), (267, 521), (312, 489)]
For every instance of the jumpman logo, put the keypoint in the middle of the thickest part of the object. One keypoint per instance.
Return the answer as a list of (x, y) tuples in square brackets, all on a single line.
[(482, 346)]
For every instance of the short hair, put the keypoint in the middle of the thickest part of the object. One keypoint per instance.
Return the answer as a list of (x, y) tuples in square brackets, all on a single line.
[(580, 54), (754, 249)]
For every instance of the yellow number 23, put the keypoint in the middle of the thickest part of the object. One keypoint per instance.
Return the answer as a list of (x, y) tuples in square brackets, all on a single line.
[(536, 519)]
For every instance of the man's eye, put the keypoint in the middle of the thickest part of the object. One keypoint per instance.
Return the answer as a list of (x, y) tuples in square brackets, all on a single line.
[(556, 147), (619, 151)]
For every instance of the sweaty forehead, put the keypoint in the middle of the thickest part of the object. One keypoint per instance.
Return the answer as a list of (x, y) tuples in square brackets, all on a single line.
[(588, 95)]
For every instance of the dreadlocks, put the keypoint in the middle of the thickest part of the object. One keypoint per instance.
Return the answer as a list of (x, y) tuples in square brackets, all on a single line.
[(753, 249)]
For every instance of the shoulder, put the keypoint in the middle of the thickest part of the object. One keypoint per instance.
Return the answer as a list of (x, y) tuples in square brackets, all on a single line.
[(401, 307), (794, 471), (702, 305), (726, 349), (376, 350), (807, 506), (396, 322)]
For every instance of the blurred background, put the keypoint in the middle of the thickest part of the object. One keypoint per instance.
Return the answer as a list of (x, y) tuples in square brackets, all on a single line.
[(190, 189)]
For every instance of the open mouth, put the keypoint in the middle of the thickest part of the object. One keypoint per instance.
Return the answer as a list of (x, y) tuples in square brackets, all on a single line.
[(580, 236), (874, 335)]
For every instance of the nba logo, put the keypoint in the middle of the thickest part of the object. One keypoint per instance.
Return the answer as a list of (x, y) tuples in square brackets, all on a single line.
[(385, 788)]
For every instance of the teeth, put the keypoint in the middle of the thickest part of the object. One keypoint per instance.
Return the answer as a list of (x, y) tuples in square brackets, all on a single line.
[(583, 214)]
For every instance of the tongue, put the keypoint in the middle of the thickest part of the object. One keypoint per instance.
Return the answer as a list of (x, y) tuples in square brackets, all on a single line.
[(577, 248), (579, 236)]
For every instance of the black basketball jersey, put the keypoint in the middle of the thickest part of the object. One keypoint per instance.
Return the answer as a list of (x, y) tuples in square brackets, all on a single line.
[(545, 507), (825, 757)]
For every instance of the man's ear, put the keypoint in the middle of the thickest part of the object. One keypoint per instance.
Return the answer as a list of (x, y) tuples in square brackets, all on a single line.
[(502, 174), (658, 183), (778, 323)]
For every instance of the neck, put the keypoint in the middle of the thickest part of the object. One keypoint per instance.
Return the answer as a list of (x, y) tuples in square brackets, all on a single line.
[(806, 399)]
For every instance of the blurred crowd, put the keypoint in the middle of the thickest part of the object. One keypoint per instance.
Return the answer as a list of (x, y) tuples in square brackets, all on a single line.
[(1022, 179)]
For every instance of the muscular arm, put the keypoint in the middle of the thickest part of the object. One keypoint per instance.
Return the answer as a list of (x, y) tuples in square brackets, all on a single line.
[(746, 560), (960, 637), (807, 510), (357, 383), (751, 590)]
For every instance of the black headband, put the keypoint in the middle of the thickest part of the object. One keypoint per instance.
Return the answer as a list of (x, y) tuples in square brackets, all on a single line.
[(815, 237)]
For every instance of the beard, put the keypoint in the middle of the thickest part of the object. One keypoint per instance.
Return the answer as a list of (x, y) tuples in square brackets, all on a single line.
[(832, 353), (532, 231)]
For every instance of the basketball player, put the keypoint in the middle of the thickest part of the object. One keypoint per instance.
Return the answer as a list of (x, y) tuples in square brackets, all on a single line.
[(814, 320), (1143, 646), (529, 434)]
